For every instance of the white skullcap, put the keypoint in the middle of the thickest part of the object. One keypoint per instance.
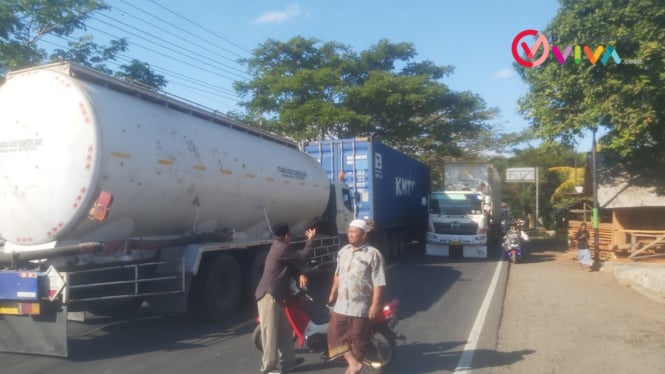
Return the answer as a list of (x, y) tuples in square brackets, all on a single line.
[(359, 223)]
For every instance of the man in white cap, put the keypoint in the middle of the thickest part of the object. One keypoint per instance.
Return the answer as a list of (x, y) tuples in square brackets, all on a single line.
[(356, 293)]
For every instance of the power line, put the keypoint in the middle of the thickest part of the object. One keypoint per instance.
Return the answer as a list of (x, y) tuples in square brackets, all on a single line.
[(202, 63), (165, 47), (199, 26), (159, 37), (215, 91), (173, 34)]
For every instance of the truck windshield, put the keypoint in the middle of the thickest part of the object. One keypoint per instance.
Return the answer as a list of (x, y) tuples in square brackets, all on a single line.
[(456, 203)]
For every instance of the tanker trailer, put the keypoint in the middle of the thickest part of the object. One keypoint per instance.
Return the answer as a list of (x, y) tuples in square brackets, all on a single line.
[(115, 197)]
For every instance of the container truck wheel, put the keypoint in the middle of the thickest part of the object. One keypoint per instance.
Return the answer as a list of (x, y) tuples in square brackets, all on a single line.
[(222, 289)]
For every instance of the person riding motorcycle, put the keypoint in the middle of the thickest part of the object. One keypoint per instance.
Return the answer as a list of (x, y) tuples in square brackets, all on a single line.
[(515, 235)]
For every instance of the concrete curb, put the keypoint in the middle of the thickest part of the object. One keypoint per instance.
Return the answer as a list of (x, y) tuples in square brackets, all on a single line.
[(646, 278)]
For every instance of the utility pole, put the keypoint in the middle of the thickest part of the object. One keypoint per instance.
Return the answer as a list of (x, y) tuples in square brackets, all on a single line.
[(596, 256), (537, 199)]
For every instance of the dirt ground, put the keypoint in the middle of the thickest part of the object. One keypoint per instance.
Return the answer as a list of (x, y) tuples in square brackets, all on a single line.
[(560, 319)]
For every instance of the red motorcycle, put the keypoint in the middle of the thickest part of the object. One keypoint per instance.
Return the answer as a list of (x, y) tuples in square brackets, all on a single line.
[(314, 336)]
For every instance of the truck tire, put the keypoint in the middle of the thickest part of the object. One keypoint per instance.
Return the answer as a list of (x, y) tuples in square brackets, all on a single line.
[(222, 289)]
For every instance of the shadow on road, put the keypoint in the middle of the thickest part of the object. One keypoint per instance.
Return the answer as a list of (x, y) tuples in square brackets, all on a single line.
[(106, 338), (414, 295), (103, 338), (439, 357)]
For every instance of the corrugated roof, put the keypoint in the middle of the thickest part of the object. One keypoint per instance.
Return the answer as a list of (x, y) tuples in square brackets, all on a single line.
[(618, 188)]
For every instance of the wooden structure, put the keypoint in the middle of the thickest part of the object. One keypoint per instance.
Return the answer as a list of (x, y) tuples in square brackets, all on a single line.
[(637, 228), (604, 238)]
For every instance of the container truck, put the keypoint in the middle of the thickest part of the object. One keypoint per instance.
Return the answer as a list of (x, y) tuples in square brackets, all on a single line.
[(465, 216), (115, 197), (390, 190)]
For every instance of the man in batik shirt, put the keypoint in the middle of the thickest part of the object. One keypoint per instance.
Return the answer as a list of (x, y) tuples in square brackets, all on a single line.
[(356, 293)]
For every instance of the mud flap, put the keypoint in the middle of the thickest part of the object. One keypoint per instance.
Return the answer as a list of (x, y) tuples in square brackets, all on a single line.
[(44, 334)]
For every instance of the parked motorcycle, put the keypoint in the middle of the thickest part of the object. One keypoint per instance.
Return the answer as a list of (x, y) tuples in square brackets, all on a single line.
[(314, 336)]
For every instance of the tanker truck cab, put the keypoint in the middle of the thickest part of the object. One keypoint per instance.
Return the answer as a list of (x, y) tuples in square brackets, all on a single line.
[(338, 214), (457, 219), (345, 202)]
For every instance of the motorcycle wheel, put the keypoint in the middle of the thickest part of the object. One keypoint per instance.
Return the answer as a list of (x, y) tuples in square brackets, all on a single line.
[(383, 348), (513, 257), (256, 338)]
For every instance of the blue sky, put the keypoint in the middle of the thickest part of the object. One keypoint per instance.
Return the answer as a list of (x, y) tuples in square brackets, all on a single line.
[(195, 44)]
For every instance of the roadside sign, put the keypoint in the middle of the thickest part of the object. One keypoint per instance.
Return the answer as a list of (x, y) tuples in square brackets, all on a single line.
[(521, 175)]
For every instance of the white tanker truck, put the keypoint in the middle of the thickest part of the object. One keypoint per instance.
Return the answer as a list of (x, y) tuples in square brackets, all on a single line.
[(115, 197)]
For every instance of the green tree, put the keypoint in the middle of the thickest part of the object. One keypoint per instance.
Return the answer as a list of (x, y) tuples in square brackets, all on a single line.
[(23, 23), (141, 72), (296, 88), (521, 197), (86, 52), (307, 89), (571, 177), (627, 99)]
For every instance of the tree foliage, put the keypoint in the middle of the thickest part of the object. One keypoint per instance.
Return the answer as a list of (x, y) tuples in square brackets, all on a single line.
[(86, 52), (308, 90), (24, 23), (141, 72), (627, 99), (550, 159), (570, 177)]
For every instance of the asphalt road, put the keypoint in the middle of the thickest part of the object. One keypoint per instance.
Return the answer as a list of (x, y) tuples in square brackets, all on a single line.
[(440, 300)]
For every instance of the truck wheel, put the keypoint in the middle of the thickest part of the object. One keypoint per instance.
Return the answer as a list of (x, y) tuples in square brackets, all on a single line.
[(223, 288)]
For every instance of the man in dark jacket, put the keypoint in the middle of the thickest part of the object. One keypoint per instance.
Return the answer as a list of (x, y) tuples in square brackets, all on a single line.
[(280, 266)]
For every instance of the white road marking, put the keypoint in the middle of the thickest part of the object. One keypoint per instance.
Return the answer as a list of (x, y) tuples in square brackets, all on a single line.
[(464, 364)]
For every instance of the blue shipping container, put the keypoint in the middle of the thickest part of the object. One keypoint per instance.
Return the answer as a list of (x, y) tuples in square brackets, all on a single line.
[(391, 188)]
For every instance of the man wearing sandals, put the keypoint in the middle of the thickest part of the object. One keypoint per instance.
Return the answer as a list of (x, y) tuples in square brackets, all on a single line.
[(356, 293)]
